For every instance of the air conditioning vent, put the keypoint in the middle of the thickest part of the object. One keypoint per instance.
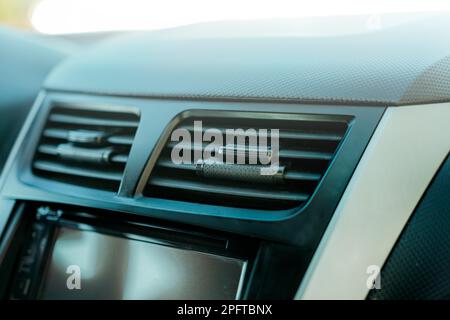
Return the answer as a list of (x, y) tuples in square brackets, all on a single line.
[(85, 147), (307, 145)]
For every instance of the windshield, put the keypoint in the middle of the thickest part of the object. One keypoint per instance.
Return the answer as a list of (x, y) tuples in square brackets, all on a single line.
[(79, 16)]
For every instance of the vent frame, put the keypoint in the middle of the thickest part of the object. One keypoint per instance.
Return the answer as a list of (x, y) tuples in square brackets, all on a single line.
[(345, 119), (294, 226)]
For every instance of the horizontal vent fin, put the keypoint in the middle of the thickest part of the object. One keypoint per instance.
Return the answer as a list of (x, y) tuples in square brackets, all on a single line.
[(306, 149), (287, 134), (232, 190), (88, 121), (63, 134), (76, 171), (85, 147)]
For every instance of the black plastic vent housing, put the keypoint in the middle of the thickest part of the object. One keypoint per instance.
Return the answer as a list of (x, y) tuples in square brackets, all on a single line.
[(86, 147), (307, 145)]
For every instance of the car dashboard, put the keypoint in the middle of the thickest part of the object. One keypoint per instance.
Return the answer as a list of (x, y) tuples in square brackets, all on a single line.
[(90, 183)]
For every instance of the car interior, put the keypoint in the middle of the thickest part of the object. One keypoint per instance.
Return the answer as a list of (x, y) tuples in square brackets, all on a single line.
[(336, 184)]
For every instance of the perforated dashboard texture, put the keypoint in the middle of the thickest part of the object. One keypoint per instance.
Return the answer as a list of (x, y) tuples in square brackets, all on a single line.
[(418, 266), (401, 63)]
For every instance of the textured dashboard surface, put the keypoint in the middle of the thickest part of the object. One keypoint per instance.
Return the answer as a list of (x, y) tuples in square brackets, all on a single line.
[(387, 63)]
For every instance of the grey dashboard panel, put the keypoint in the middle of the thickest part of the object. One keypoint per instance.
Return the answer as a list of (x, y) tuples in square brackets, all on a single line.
[(270, 61), (299, 227)]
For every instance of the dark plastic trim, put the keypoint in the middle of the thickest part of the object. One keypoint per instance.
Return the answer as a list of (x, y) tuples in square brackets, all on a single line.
[(296, 227)]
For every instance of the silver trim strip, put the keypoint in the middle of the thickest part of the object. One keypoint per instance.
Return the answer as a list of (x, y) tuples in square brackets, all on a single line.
[(6, 207), (402, 157), (239, 291)]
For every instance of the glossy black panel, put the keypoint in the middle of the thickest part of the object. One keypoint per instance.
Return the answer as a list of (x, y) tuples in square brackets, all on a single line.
[(111, 267)]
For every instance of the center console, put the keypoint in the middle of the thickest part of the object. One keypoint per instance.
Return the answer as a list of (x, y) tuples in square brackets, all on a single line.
[(91, 207)]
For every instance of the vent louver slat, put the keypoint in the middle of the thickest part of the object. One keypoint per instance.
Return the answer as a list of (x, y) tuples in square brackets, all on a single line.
[(307, 146), (85, 147)]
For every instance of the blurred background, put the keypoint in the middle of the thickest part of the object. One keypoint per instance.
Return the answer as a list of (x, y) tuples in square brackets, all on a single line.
[(16, 13), (78, 16)]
